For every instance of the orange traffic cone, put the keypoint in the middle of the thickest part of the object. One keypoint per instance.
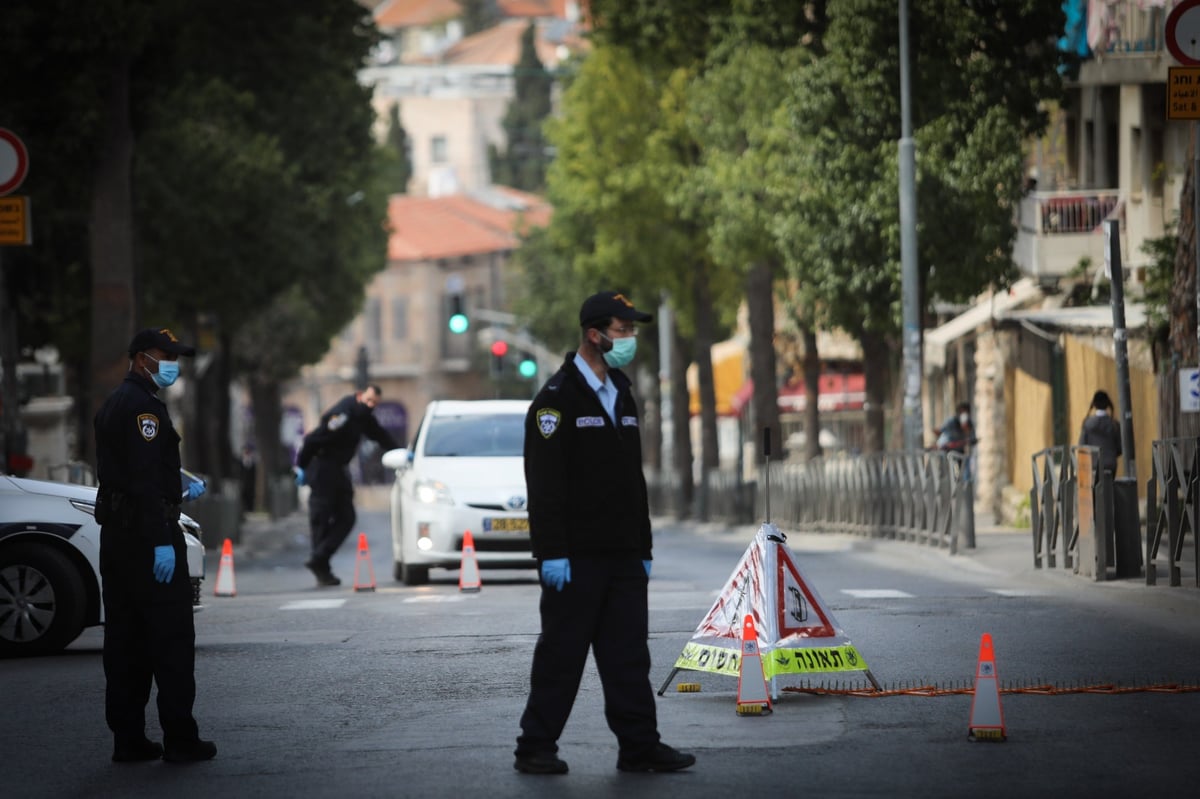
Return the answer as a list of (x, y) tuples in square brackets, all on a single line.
[(364, 556), (987, 719), (468, 572), (226, 585), (752, 698)]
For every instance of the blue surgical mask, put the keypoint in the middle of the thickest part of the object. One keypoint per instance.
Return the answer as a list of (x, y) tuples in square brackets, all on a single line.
[(168, 372), (622, 352)]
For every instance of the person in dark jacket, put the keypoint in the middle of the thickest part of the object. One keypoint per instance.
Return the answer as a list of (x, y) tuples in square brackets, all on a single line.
[(149, 633), (589, 523), (1101, 430), (324, 464)]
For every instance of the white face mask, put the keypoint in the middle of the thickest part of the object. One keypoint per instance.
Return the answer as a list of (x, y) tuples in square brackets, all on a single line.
[(964, 419)]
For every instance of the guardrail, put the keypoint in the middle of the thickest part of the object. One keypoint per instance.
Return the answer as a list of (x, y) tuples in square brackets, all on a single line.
[(1172, 505), (926, 497)]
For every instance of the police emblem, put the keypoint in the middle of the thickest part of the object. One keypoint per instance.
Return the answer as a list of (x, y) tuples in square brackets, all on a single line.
[(335, 422), (148, 425), (548, 419)]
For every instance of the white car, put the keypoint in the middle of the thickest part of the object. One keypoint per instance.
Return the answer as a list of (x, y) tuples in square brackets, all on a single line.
[(464, 472), (50, 564)]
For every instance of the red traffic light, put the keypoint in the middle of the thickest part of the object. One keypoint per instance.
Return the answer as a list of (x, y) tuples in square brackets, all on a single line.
[(500, 348)]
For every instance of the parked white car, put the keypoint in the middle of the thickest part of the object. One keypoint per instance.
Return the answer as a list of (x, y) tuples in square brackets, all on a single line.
[(464, 472), (50, 564)]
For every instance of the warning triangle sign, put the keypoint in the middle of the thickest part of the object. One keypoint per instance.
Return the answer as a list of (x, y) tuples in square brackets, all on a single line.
[(797, 633)]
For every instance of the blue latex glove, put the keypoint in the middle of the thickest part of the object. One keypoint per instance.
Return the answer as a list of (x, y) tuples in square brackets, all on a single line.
[(556, 572), (195, 490), (164, 563), (647, 563), (299, 475)]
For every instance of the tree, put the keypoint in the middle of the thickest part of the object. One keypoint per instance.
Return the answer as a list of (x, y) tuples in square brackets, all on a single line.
[(478, 15), (522, 164), (398, 156)]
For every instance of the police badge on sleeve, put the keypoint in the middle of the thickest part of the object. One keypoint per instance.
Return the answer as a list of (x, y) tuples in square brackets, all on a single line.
[(548, 420), (148, 426)]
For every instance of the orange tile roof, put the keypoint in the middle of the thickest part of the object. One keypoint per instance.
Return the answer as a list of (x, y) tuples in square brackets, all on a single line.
[(499, 44), (415, 13), (426, 228), (529, 8)]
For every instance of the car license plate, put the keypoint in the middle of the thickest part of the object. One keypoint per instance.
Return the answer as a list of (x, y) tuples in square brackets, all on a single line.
[(516, 525)]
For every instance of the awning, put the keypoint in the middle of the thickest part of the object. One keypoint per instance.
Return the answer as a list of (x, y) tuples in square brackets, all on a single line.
[(838, 391), (937, 340)]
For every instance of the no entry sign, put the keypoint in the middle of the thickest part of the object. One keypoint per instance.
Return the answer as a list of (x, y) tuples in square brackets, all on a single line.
[(14, 161)]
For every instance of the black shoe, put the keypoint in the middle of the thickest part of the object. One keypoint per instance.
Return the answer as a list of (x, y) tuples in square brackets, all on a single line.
[(322, 572), (660, 758), (137, 751), (540, 764), (190, 752)]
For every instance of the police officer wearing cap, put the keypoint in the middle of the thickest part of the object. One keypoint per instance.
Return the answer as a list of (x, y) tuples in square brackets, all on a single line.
[(589, 523), (324, 464), (149, 634)]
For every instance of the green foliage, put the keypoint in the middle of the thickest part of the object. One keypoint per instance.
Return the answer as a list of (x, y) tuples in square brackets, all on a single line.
[(397, 169), (1160, 277), (522, 165)]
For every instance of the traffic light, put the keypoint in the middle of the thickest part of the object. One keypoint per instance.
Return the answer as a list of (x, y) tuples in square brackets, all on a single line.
[(458, 317), (499, 350), (528, 366)]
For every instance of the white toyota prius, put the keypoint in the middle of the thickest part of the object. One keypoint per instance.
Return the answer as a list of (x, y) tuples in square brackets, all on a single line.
[(50, 564), (463, 473)]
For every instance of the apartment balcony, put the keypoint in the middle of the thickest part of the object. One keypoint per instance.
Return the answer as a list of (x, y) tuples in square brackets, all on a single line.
[(1126, 41), (1058, 229)]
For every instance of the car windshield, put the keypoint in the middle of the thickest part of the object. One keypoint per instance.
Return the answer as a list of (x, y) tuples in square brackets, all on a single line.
[(495, 435)]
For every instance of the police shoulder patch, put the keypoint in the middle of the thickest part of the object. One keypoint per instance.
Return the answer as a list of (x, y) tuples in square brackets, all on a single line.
[(148, 426), (336, 422), (548, 420)]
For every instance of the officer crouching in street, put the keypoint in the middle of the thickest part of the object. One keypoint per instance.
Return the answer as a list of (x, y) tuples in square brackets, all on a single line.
[(149, 633)]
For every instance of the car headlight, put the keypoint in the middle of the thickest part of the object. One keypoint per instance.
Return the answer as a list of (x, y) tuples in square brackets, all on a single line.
[(431, 492)]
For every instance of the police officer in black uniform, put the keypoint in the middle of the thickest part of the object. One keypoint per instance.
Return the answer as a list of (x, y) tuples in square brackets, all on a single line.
[(148, 629), (324, 464), (590, 528)]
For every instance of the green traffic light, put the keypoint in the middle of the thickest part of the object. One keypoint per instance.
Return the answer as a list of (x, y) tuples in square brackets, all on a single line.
[(527, 368), (459, 323)]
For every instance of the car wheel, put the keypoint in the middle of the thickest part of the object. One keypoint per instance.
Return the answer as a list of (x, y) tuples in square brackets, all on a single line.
[(413, 575), (41, 600)]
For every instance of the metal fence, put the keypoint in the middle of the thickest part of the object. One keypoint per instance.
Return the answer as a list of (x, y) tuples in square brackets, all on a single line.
[(1173, 505), (925, 497)]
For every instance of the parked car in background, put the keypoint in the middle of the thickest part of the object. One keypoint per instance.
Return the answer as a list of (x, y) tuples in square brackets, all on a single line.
[(50, 564), (464, 472)]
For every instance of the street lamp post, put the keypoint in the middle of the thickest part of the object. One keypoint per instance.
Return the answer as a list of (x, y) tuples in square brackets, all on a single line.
[(909, 277)]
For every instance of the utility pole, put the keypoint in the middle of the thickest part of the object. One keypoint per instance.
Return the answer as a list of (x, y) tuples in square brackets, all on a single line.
[(910, 287)]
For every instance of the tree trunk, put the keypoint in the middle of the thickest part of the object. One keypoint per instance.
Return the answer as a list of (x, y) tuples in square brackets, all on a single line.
[(681, 435), (877, 366), (652, 421), (266, 403), (812, 392), (760, 300), (114, 306), (705, 338)]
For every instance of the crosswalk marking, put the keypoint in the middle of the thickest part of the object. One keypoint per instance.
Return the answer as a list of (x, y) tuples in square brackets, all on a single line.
[(312, 604), (1016, 592), (876, 593)]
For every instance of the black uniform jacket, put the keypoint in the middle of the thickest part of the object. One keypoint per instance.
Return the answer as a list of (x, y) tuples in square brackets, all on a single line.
[(137, 463), (1103, 432), (583, 474), (342, 426)]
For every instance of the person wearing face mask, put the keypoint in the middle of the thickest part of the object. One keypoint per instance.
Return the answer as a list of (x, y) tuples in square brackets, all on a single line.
[(149, 633), (589, 523), (957, 432)]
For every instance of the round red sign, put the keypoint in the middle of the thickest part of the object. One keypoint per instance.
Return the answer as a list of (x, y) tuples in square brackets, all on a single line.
[(14, 161), (1183, 32)]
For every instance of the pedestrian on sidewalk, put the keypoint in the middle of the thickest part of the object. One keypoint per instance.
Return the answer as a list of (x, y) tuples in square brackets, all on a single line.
[(590, 530), (1101, 430), (324, 464), (149, 632)]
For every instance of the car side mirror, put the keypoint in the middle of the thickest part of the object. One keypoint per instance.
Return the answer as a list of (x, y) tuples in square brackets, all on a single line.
[(396, 459)]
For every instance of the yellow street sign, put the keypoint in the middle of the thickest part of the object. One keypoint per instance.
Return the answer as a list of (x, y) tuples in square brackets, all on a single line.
[(1183, 92), (14, 221)]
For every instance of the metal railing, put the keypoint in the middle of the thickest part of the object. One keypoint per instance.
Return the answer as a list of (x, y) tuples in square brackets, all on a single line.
[(1172, 505), (924, 497), (1052, 507)]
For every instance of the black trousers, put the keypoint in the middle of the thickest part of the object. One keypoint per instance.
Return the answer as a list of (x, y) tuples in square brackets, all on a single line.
[(149, 636), (331, 514), (604, 608)]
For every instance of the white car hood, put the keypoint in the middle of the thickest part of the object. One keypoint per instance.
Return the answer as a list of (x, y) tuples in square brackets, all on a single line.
[(477, 480), (68, 490)]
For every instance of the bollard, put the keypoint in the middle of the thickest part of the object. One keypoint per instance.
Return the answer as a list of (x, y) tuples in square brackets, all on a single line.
[(1127, 528)]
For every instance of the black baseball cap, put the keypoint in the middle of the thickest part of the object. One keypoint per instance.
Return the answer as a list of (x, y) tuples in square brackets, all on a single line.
[(161, 338), (608, 304)]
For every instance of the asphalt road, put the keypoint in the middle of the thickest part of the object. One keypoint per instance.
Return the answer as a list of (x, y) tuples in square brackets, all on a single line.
[(416, 692)]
